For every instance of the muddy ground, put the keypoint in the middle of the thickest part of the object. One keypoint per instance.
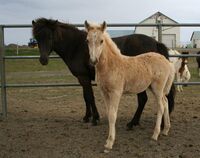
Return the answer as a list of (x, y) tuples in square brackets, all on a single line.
[(47, 123)]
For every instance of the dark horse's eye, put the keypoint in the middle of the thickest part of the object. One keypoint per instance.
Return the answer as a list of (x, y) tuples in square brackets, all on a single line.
[(101, 41)]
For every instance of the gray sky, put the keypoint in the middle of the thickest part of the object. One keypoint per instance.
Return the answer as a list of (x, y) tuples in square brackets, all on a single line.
[(77, 11)]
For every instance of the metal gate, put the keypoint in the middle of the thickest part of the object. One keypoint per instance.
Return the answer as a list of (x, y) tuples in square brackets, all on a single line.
[(4, 85)]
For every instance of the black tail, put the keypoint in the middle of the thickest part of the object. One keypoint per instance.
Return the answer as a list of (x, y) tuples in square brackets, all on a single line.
[(171, 98), (162, 49)]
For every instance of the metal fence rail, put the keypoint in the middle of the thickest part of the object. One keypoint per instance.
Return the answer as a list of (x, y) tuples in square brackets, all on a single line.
[(4, 86)]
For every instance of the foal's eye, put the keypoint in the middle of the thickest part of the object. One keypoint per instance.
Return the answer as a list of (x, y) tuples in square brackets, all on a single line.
[(87, 41), (101, 41)]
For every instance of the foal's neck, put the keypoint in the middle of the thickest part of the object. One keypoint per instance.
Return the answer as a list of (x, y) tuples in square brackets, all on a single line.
[(109, 57)]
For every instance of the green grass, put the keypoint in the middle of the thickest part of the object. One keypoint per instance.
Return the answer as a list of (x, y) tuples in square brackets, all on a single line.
[(31, 71), (27, 65), (21, 51), (192, 65)]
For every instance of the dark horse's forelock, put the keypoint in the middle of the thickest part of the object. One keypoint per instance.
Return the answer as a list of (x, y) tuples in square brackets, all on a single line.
[(40, 23)]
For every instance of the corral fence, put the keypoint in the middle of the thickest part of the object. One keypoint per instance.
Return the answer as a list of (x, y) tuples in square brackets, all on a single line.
[(4, 85)]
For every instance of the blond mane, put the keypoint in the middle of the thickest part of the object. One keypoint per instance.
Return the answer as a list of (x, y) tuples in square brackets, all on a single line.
[(111, 44)]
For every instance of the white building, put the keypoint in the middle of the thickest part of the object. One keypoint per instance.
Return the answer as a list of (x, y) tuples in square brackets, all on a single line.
[(195, 39), (170, 35)]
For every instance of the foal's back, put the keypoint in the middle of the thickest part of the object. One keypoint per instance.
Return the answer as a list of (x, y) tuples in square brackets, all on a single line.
[(140, 71)]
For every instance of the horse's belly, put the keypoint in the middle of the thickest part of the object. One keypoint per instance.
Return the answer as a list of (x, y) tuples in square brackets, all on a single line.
[(137, 87)]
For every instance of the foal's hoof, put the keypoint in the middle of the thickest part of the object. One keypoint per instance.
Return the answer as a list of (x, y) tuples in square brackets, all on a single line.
[(155, 138), (106, 151), (165, 132)]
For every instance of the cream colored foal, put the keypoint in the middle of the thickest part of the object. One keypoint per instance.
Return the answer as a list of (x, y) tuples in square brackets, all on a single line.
[(117, 73)]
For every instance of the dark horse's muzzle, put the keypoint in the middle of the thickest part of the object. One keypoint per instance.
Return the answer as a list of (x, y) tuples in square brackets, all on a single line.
[(44, 60)]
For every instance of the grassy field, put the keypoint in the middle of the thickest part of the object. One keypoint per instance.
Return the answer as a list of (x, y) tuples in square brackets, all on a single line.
[(31, 71), (21, 51)]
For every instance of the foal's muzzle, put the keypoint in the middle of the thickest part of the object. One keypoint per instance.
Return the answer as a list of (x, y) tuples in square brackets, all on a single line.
[(93, 63)]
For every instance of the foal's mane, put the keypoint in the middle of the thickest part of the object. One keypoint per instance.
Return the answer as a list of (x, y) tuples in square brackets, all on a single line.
[(54, 25), (113, 47)]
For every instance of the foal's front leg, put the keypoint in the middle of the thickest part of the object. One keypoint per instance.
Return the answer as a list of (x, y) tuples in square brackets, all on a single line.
[(112, 101)]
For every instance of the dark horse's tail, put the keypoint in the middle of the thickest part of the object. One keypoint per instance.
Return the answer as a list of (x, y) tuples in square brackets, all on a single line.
[(162, 49)]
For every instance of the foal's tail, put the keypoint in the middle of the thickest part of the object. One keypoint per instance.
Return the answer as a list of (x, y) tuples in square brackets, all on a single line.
[(170, 79)]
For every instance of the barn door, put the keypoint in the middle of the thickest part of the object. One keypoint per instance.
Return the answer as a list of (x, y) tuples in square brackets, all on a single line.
[(169, 40)]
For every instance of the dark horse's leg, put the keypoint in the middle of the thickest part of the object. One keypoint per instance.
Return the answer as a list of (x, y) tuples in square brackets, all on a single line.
[(88, 95), (142, 99)]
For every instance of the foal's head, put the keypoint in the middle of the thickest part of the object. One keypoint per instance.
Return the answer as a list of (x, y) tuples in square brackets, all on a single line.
[(95, 40), (43, 32), (184, 61)]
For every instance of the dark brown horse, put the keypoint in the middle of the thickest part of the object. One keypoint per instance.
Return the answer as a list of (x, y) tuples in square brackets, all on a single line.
[(70, 44)]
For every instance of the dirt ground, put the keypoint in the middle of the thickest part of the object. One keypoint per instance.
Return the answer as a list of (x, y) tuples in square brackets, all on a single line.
[(47, 123)]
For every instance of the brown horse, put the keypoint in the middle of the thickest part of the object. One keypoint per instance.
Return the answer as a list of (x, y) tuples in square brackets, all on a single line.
[(117, 73)]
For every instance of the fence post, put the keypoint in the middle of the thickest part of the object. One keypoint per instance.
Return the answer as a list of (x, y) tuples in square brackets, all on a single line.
[(2, 73), (159, 31)]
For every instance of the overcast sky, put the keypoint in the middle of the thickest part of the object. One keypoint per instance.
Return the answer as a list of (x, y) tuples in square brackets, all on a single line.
[(77, 11)]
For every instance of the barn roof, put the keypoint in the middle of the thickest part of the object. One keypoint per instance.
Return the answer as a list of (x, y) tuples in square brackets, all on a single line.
[(195, 35), (157, 14)]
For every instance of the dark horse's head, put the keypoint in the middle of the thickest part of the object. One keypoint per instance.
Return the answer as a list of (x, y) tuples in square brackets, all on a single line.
[(43, 32)]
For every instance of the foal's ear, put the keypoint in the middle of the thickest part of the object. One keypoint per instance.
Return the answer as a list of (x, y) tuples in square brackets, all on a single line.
[(103, 26), (87, 26)]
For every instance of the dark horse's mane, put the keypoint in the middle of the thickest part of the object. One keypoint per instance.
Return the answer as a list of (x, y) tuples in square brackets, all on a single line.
[(56, 27), (70, 44), (50, 23)]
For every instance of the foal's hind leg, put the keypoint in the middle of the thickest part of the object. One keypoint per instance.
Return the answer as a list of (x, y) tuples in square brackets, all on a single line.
[(88, 95), (166, 116), (160, 111), (157, 89), (142, 99)]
